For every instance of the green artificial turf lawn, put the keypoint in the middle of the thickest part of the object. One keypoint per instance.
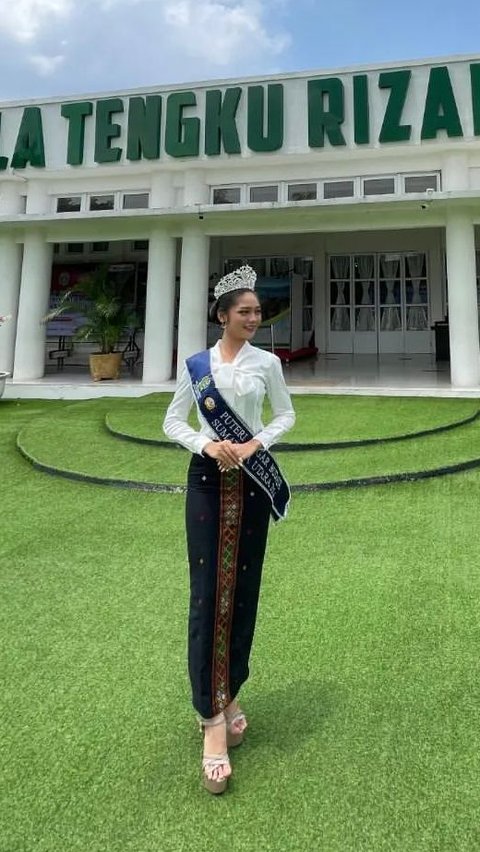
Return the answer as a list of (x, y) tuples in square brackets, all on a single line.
[(319, 418), (75, 439), (364, 690)]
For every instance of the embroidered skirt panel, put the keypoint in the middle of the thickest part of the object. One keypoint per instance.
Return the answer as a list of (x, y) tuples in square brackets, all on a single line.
[(227, 519)]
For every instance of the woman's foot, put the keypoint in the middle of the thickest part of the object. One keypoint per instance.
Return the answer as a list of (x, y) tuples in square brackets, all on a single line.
[(236, 724), (215, 763)]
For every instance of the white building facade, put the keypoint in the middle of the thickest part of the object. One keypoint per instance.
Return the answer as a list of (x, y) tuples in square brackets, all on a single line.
[(362, 186)]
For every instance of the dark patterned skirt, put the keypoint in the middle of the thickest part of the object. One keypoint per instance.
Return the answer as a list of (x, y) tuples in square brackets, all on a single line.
[(227, 518)]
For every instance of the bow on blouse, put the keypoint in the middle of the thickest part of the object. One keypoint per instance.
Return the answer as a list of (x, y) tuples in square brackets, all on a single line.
[(233, 377)]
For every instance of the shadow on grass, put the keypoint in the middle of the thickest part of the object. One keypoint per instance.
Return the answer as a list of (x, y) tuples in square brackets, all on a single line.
[(283, 717)]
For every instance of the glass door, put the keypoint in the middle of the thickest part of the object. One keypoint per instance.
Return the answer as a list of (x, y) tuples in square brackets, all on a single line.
[(390, 292), (365, 338), (303, 268), (379, 303), (418, 335), (340, 313)]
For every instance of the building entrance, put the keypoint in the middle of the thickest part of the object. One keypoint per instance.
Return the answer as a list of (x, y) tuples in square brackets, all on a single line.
[(126, 266), (379, 303)]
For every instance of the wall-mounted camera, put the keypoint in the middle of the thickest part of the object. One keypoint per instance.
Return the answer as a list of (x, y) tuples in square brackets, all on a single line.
[(426, 204)]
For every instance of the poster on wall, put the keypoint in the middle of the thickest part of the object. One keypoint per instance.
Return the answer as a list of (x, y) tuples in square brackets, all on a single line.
[(275, 298), (64, 277), (274, 289)]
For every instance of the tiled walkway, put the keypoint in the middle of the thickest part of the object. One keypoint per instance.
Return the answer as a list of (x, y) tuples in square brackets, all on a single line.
[(394, 375), (397, 374)]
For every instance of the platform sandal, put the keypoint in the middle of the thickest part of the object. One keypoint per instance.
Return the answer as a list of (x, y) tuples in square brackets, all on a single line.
[(213, 761), (235, 738)]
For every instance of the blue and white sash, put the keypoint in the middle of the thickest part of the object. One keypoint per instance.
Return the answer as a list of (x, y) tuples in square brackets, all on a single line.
[(228, 426)]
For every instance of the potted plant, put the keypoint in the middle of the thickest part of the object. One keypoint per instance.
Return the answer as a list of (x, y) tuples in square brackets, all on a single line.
[(104, 318)]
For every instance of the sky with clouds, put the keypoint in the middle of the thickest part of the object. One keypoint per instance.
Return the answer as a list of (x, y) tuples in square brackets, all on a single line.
[(61, 47)]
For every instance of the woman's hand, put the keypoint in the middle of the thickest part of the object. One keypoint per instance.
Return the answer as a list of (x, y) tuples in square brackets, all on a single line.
[(223, 453), (244, 451), (228, 455)]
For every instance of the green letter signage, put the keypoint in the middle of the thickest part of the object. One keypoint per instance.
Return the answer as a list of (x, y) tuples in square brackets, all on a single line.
[(398, 83), (321, 120), (76, 114), (475, 80), (105, 131), (340, 112), (182, 135), (273, 139), (441, 111), (361, 111), (29, 147), (143, 139), (220, 121)]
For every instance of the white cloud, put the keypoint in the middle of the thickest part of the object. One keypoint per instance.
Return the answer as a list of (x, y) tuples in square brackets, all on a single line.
[(22, 20), (167, 40), (219, 31), (223, 31), (46, 65)]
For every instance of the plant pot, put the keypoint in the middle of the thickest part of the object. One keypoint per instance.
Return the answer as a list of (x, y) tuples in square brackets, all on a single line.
[(105, 366), (3, 376)]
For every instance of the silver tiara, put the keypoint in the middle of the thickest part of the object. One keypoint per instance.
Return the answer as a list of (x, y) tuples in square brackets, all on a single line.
[(242, 278)]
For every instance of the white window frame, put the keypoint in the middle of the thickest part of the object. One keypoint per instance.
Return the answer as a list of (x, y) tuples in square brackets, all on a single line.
[(125, 192), (265, 184), (364, 178), (239, 186), (100, 194), (353, 180), (434, 173), (80, 195), (291, 183)]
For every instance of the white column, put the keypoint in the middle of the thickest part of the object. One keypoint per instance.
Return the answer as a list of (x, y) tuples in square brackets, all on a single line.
[(10, 197), (196, 189), (192, 316), (455, 172), (462, 300), (37, 197), (160, 308), (33, 305), (10, 258), (161, 190)]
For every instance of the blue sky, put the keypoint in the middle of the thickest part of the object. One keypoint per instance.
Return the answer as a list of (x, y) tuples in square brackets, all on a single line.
[(61, 47)]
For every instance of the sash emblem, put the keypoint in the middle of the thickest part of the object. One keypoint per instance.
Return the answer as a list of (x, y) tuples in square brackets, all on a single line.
[(209, 403), (202, 384)]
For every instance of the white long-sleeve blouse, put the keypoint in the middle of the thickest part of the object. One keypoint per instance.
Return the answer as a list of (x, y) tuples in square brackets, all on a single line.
[(243, 383)]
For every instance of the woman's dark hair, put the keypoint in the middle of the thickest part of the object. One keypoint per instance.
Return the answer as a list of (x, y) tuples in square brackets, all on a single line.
[(225, 302)]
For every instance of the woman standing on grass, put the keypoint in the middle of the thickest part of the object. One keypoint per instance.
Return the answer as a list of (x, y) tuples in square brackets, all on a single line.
[(234, 486)]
